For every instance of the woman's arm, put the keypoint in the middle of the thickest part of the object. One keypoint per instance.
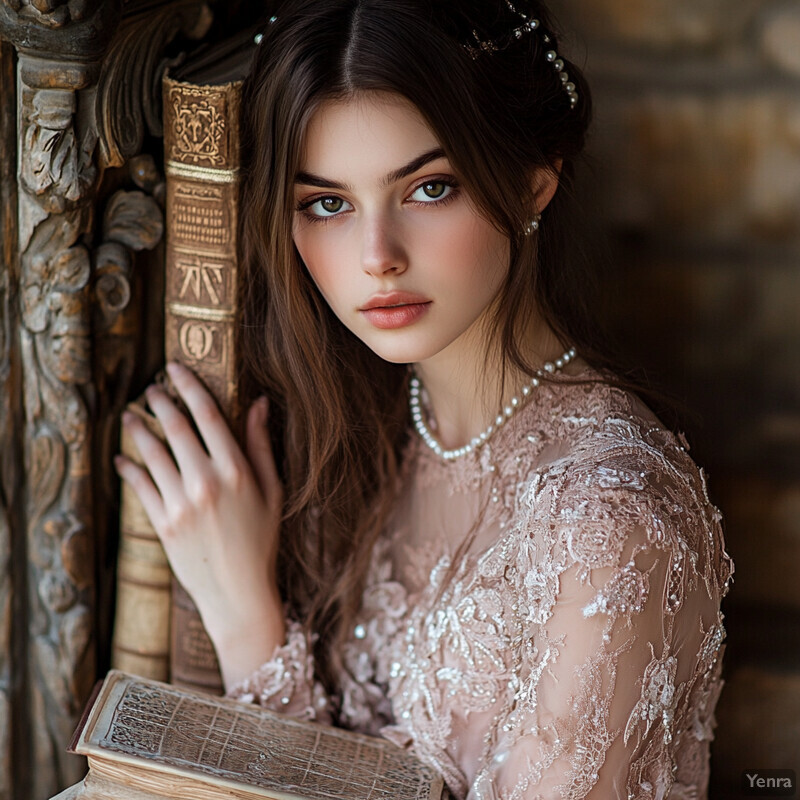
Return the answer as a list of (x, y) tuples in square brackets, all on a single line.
[(217, 514), (622, 707), (619, 672)]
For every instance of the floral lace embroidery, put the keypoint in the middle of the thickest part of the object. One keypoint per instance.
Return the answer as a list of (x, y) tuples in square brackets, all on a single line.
[(593, 738), (624, 594), (610, 558), (659, 697), (286, 682)]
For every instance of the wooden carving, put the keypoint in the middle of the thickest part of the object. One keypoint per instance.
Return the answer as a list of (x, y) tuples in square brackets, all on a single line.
[(57, 178), (54, 13), (10, 446), (129, 90), (69, 305), (132, 222)]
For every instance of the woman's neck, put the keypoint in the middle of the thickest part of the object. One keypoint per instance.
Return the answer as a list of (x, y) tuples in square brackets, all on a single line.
[(463, 387)]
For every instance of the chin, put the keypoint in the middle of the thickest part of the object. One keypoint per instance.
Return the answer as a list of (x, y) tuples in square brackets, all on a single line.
[(402, 352)]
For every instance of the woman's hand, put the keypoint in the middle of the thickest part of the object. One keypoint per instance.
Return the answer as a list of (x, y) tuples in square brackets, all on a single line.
[(217, 515)]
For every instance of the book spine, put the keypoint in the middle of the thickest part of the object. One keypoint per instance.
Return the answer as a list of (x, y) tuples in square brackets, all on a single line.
[(201, 133), (140, 642)]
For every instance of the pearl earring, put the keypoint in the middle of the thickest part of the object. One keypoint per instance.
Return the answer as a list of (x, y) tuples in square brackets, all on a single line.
[(533, 225)]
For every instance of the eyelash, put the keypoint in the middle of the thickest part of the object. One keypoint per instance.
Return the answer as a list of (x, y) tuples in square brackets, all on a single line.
[(453, 184)]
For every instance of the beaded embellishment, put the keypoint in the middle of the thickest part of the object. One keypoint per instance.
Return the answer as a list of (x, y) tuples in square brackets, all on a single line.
[(529, 25)]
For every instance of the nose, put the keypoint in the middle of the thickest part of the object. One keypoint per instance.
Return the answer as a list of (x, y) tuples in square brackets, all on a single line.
[(382, 249)]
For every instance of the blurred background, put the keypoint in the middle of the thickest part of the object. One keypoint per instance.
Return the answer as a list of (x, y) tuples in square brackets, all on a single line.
[(695, 178)]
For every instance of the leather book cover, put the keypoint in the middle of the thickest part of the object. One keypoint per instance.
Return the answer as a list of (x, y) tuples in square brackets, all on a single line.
[(140, 642), (201, 148)]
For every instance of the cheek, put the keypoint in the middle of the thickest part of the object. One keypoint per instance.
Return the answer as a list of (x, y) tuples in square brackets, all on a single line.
[(469, 253), (321, 255)]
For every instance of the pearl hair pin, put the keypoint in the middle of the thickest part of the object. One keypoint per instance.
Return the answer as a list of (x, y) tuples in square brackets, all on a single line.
[(415, 388), (529, 25)]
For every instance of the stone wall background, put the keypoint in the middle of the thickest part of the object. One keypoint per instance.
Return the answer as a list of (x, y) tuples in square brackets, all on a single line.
[(696, 179)]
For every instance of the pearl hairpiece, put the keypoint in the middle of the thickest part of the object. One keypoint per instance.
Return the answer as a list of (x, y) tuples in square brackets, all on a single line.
[(529, 25), (491, 46)]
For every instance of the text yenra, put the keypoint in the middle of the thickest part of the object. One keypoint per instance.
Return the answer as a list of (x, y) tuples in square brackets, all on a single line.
[(757, 782)]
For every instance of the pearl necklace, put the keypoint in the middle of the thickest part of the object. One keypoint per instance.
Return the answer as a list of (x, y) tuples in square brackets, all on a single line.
[(508, 411)]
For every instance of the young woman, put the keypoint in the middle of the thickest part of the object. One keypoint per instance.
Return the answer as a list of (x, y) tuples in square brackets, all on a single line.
[(472, 537)]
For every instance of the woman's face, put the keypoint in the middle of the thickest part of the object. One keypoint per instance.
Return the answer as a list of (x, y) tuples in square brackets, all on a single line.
[(379, 209)]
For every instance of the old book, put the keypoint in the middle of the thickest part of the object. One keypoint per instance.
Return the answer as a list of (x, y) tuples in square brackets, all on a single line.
[(157, 630), (145, 739), (141, 639), (201, 150)]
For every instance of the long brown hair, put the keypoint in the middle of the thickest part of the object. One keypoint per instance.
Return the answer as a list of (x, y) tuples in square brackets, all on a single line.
[(340, 411)]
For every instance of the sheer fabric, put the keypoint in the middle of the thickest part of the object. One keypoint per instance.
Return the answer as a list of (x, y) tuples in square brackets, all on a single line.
[(574, 650)]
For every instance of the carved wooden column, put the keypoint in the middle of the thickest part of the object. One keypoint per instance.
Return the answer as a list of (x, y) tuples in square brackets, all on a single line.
[(86, 95), (10, 454), (57, 178)]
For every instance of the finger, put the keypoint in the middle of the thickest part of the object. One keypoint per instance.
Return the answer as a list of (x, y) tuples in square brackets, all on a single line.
[(212, 425), (144, 489), (155, 456), (259, 449), (182, 440)]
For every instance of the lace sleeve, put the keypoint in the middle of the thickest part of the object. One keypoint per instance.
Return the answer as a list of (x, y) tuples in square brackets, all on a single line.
[(286, 682), (618, 666)]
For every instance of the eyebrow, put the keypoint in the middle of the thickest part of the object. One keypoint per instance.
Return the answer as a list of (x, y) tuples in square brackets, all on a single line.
[(309, 179)]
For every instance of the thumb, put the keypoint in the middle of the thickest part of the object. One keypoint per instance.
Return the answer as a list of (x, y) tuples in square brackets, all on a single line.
[(259, 448)]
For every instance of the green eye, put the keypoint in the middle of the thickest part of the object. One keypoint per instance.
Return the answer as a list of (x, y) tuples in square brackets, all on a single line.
[(324, 208), (434, 190), (331, 204)]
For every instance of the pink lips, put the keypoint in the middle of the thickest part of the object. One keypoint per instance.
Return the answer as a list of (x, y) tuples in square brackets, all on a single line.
[(394, 309)]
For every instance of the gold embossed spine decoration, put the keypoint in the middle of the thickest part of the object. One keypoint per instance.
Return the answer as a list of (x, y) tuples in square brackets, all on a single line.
[(201, 128)]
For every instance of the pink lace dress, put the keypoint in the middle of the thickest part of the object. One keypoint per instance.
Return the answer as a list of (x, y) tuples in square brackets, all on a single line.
[(575, 649)]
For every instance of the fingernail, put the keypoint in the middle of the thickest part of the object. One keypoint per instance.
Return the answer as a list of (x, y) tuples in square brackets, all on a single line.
[(174, 368), (118, 462)]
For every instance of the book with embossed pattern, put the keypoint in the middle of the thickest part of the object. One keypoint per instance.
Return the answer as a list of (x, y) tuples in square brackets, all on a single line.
[(201, 150), (158, 631), (145, 739)]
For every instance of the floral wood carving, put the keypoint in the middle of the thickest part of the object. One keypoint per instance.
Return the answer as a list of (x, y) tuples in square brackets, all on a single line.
[(132, 222), (60, 28), (54, 13), (57, 176), (11, 563), (129, 90), (79, 112)]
